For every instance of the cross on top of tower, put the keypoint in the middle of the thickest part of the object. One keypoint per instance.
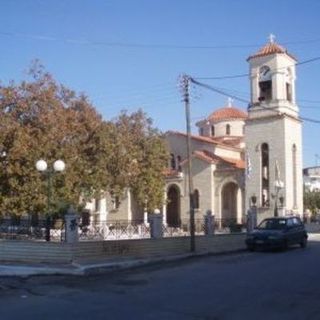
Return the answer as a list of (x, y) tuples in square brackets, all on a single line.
[(271, 38), (230, 102)]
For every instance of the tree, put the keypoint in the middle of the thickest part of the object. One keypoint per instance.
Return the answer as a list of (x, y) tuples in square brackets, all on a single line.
[(311, 200), (139, 158), (41, 119)]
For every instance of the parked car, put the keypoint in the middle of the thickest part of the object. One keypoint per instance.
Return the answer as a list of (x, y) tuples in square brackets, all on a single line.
[(278, 232)]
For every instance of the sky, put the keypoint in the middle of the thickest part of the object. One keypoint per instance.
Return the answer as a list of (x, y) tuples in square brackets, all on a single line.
[(128, 54)]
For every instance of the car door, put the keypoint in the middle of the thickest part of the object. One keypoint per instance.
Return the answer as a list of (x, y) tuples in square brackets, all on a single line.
[(299, 228), (290, 232)]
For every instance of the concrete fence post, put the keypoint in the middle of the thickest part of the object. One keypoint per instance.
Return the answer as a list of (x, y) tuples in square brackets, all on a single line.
[(209, 223), (155, 220), (252, 218), (72, 226)]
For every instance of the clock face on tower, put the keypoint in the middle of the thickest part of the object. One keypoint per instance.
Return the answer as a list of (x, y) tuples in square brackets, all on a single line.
[(265, 73)]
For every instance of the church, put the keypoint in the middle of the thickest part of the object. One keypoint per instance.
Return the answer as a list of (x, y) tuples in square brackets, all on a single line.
[(239, 158)]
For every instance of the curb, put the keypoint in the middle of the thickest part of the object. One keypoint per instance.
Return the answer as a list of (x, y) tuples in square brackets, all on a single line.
[(101, 268), (77, 269)]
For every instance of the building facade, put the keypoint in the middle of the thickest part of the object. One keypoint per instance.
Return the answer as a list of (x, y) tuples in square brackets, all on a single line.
[(273, 135), (239, 158), (311, 178)]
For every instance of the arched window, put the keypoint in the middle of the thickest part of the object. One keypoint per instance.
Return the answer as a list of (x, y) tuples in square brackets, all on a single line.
[(172, 161), (196, 199), (201, 132), (97, 205), (179, 163), (116, 202), (228, 129), (289, 85), (265, 84), (212, 131), (294, 175), (265, 189)]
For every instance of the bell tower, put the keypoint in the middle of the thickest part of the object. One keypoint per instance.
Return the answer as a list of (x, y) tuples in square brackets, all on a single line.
[(273, 134)]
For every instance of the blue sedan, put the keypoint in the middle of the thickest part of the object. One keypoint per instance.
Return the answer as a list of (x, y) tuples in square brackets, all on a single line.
[(278, 232)]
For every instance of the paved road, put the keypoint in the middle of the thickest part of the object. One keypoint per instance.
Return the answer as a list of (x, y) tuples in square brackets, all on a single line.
[(263, 285)]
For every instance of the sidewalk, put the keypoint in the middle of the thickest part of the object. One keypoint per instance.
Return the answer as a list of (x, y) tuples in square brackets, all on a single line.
[(82, 268)]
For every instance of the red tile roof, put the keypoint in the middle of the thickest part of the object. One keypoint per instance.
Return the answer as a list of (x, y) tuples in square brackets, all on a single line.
[(227, 113), (205, 139), (214, 159), (269, 49), (206, 156), (170, 173)]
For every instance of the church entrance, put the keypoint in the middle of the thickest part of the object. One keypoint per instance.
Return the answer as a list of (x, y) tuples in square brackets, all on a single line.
[(173, 206), (229, 202)]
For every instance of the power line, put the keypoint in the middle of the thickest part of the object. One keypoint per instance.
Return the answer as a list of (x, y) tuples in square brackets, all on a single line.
[(310, 101), (242, 75), (89, 42), (222, 92)]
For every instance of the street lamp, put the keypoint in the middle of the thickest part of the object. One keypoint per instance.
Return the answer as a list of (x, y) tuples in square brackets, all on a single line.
[(278, 185), (42, 166)]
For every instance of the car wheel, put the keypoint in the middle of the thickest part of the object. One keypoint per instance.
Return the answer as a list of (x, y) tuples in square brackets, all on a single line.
[(251, 247), (304, 242)]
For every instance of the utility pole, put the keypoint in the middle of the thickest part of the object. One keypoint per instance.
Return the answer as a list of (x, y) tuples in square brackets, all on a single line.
[(185, 82)]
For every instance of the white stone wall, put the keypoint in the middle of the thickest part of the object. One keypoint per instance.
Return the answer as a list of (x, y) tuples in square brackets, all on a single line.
[(280, 133), (236, 128), (223, 177), (203, 181), (293, 136), (277, 64), (228, 153), (178, 146)]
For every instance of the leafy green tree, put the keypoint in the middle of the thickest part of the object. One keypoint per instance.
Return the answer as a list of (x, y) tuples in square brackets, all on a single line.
[(311, 200)]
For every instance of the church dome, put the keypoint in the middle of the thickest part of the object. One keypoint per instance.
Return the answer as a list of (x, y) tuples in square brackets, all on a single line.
[(227, 113), (271, 48)]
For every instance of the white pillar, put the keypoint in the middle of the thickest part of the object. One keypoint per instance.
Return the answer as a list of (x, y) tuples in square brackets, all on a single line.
[(239, 205), (145, 216), (103, 212), (129, 205), (164, 209)]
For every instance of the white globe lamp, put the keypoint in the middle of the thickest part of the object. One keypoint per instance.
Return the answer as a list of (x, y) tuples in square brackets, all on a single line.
[(41, 165), (59, 166)]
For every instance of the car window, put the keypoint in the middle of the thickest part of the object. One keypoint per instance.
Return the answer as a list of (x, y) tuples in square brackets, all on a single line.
[(273, 224), (290, 223), (297, 222)]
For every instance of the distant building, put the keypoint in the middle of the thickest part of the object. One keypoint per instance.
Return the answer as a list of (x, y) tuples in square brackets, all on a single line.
[(311, 178)]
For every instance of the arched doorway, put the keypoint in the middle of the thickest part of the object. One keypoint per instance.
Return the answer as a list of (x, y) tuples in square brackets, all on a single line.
[(173, 206), (229, 202)]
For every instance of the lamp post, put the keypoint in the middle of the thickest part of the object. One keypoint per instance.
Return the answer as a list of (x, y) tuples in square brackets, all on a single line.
[(278, 185), (42, 166)]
